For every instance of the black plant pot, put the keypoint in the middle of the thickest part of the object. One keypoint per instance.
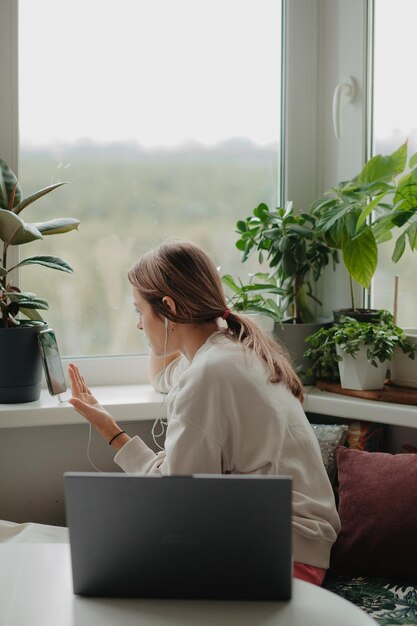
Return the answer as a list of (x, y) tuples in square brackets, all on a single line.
[(20, 364), (360, 315)]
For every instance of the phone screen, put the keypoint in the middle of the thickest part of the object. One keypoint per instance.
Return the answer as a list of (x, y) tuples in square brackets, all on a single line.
[(51, 360)]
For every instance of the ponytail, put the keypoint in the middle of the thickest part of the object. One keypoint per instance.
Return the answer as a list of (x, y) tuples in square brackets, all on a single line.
[(268, 350)]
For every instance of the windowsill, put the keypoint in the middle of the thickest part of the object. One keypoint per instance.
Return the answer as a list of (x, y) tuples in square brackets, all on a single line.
[(124, 402), (142, 402), (338, 405)]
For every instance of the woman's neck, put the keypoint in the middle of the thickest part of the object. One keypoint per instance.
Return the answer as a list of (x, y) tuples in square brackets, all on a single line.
[(195, 336)]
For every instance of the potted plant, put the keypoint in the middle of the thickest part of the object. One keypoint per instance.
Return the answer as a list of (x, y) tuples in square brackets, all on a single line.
[(297, 256), (402, 372), (342, 215), (20, 365), (255, 298), (361, 351)]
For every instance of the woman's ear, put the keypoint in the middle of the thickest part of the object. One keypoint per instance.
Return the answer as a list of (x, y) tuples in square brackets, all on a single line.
[(169, 303)]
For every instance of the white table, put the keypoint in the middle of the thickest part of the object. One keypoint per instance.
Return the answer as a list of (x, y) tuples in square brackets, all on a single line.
[(36, 589)]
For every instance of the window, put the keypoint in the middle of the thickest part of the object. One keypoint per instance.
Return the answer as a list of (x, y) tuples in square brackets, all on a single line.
[(394, 121), (165, 118)]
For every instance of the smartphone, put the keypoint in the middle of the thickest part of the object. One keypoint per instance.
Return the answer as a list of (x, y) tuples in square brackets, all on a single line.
[(51, 362)]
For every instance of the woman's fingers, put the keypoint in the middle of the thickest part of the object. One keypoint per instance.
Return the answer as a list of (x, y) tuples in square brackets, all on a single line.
[(78, 384), (74, 378)]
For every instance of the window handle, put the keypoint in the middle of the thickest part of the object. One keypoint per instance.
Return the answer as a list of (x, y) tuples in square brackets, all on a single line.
[(347, 90)]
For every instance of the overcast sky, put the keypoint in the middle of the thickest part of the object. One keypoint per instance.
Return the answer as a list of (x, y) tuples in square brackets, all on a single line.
[(159, 71), (164, 72)]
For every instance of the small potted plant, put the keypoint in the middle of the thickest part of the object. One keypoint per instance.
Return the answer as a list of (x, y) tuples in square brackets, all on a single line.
[(360, 350), (296, 257), (20, 365)]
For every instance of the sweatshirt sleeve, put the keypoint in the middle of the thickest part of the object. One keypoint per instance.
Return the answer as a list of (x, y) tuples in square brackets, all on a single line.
[(187, 451), (192, 445)]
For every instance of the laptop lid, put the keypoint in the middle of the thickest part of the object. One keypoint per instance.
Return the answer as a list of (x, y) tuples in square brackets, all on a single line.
[(225, 537)]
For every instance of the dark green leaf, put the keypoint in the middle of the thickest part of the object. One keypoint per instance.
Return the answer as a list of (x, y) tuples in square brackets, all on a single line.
[(26, 201), (48, 261), (412, 235), (33, 304), (301, 230), (399, 248), (14, 230), (9, 187)]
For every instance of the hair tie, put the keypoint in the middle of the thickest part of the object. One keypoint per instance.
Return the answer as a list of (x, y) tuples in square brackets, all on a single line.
[(226, 314)]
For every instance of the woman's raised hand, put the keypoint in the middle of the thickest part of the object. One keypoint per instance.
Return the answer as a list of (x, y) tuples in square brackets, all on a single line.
[(86, 404)]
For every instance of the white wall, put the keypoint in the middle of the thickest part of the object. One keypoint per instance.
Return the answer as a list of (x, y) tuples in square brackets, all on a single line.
[(33, 462)]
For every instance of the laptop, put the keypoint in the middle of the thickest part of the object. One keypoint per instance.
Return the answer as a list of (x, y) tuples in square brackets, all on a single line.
[(199, 537)]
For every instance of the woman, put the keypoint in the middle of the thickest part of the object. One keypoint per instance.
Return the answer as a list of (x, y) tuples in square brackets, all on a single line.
[(233, 403)]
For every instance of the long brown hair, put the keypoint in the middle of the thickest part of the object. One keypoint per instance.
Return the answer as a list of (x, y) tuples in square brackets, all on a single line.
[(183, 271)]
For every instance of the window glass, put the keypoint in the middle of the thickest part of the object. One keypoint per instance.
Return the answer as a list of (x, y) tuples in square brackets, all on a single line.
[(395, 121), (164, 117)]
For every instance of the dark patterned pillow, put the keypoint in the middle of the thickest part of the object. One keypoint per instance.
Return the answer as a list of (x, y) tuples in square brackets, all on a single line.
[(329, 437), (386, 601)]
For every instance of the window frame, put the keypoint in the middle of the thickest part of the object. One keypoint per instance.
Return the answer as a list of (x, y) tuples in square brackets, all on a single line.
[(311, 158)]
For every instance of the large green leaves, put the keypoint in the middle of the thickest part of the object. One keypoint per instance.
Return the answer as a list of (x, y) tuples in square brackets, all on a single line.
[(14, 231), (360, 255), (384, 168)]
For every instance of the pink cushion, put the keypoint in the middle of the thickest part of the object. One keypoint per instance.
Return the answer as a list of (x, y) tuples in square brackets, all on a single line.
[(378, 512)]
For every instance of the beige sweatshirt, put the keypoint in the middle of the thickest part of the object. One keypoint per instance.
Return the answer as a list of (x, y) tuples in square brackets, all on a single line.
[(224, 416)]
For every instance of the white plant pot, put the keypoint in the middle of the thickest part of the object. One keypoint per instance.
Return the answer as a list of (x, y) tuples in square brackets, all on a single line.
[(403, 369), (359, 373)]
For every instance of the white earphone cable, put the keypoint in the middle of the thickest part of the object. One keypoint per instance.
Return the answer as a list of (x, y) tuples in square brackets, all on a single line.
[(160, 421), (88, 450)]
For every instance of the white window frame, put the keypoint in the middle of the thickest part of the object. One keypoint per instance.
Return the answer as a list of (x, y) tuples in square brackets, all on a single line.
[(312, 159)]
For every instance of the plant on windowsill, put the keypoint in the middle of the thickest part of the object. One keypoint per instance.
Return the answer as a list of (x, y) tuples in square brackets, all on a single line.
[(296, 256), (287, 241), (381, 189), (20, 365), (357, 353)]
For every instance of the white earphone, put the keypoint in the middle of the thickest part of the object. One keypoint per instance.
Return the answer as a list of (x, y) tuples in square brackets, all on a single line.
[(166, 322)]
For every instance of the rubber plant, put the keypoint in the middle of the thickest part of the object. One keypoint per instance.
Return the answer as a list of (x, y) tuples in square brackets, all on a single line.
[(14, 231)]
